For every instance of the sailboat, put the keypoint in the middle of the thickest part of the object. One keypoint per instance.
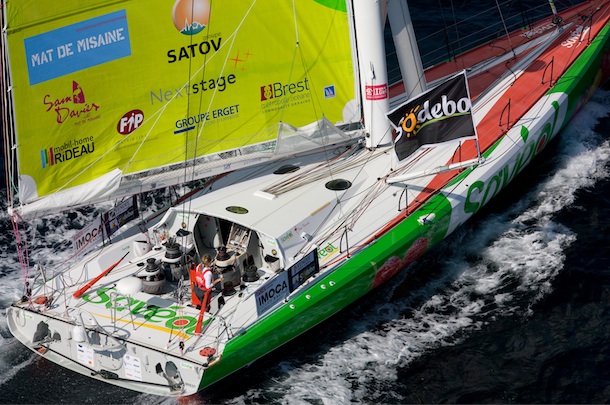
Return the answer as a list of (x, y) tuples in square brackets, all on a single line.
[(319, 180)]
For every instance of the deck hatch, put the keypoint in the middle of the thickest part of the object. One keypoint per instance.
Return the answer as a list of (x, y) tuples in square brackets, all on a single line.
[(338, 184)]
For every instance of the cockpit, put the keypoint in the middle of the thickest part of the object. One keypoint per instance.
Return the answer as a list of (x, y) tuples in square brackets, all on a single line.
[(240, 255)]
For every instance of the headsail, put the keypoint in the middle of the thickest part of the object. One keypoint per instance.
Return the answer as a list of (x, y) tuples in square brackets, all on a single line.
[(99, 86), (440, 114)]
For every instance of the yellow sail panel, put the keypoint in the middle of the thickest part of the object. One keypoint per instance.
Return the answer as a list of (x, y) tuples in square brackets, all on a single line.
[(141, 84)]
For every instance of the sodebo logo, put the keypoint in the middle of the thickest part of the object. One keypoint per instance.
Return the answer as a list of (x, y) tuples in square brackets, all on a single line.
[(418, 115), (130, 122)]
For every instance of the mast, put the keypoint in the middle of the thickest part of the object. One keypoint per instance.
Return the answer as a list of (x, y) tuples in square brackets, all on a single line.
[(407, 51), (556, 18), (373, 71)]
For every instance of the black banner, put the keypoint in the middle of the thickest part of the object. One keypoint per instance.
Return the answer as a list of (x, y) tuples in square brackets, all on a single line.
[(120, 215), (303, 269), (438, 115)]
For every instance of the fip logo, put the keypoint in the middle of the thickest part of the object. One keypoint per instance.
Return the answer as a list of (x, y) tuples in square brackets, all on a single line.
[(191, 16), (130, 122)]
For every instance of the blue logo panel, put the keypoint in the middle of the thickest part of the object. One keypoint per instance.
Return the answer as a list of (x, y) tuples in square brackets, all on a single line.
[(78, 46)]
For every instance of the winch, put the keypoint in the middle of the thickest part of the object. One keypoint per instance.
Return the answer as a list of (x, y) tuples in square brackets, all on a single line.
[(152, 277)]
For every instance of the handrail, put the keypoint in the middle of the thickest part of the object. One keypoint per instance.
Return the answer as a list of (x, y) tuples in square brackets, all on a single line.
[(99, 348), (506, 107), (346, 242), (551, 64)]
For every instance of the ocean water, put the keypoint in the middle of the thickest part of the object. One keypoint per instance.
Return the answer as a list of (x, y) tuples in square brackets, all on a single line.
[(512, 308)]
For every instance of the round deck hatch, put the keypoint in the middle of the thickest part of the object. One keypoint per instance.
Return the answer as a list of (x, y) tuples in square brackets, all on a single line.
[(338, 184), (237, 210)]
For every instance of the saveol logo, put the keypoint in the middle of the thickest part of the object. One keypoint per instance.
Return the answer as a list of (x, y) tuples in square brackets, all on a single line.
[(191, 16)]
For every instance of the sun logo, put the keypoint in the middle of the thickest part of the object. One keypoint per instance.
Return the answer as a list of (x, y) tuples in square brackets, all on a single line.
[(409, 122), (191, 16)]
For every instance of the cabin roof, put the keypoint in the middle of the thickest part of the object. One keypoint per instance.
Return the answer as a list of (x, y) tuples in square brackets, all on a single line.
[(248, 199)]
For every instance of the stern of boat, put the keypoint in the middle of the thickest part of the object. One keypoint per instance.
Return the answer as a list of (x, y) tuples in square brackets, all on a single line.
[(104, 355)]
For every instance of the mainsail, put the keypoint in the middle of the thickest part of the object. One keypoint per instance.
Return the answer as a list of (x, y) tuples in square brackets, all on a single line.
[(102, 90)]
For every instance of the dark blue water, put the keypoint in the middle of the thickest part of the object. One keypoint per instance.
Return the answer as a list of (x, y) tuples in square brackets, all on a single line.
[(512, 308)]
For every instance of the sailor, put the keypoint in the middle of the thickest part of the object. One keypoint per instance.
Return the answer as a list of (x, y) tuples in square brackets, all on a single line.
[(203, 280), (222, 254)]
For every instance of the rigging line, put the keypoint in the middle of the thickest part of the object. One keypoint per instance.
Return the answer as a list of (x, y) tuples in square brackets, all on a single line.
[(158, 115), (326, 236), (525, 17), (369, 157), (196, 145), (510, 42), (262, 169), (231, 38), (305, 67), (188, 108), (201, 126), (377, 189), (350, 218), (313, 174), (354, 215), (457, 33), (299, 52), (450, 52), (160, 112), (318, 172), (22, 249), (411, 162)]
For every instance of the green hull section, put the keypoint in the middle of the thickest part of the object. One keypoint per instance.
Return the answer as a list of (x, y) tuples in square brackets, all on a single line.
[(397, 248)]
